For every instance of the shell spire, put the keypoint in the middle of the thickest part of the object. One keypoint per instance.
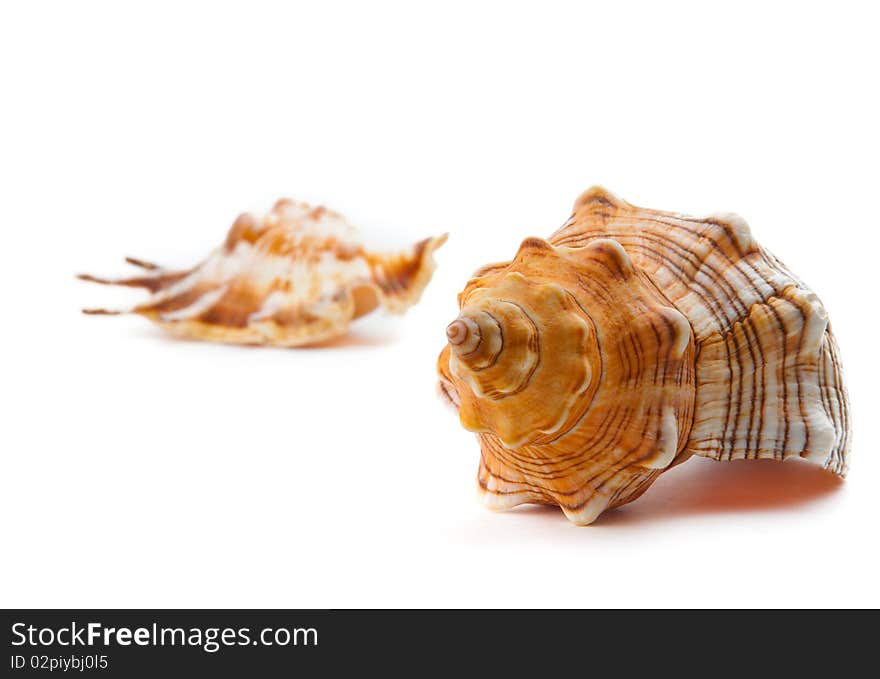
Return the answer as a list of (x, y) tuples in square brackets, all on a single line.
[(629, 341), (298, 276)]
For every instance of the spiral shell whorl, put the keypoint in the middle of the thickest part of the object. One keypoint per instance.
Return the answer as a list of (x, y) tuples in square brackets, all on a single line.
[(525, 354), (477, 339), (591, 394), (464, 335)]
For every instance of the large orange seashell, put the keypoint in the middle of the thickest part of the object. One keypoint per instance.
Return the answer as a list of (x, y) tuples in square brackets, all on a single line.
[(629, 341)]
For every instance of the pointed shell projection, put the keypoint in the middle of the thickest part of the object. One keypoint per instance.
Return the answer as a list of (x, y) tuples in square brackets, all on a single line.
[(298, 276), (629, 341)]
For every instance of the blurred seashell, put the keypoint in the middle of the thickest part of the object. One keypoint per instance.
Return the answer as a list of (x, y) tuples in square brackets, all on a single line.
[(298, 276), (629, 341)]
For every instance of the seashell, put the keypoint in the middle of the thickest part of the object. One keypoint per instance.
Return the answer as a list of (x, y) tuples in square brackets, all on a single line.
[(629, 341), (298, 276)]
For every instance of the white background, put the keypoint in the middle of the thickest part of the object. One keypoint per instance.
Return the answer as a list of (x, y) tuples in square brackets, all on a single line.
[(142, 471)]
